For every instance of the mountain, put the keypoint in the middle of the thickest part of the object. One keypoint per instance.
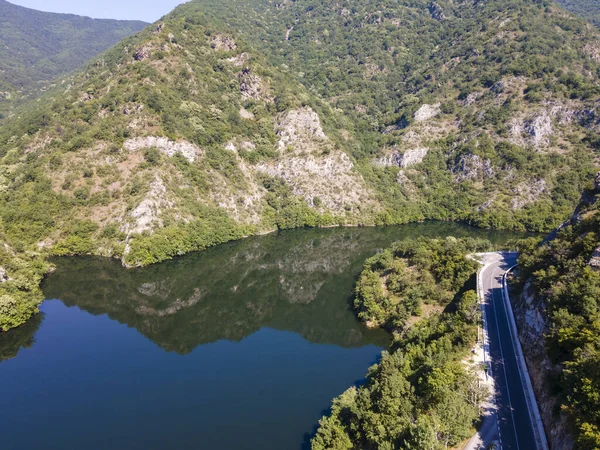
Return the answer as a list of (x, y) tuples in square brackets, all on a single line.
[(559, 324), (36, 47), (230, 118), (588, 9)]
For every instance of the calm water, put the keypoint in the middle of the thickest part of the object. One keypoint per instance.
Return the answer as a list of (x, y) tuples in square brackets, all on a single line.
[(242, 346)]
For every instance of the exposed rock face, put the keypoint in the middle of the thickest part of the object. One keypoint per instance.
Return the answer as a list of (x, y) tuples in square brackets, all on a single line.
[(164, 145), (539, 128), (593, 51), (223, 42), (329, 178), (436, 11), (252, 86), (597, 182), (299, 127), (312, 167), (535, 131), (427, 112), (148, 211), (470, 167), (141, 54), (532, 327), (404, 160), (245, 114), (526, 193), (239, 60), (3, 276)]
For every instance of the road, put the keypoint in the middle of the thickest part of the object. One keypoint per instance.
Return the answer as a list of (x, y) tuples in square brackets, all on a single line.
[(509, 419)]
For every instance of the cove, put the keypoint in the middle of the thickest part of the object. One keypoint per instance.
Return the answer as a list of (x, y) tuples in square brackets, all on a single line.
[(242, 346)]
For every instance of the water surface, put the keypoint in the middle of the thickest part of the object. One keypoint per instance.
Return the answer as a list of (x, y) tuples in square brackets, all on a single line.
[(242, 346)]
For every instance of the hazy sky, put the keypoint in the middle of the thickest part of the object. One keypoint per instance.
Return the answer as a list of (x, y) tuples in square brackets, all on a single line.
[(148, 10)]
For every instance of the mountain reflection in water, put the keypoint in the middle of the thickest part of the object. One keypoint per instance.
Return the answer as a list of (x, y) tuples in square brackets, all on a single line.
[(298, 280)]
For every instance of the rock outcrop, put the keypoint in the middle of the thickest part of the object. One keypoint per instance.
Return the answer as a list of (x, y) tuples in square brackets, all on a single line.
[(223, 43), (300, 127), (403, 159), (3, 275), (427, 112), (472, 167), (170, 148), (314, 169), (147, 213)]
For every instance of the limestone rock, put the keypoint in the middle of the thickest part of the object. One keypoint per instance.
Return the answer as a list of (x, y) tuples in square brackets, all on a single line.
[(427, 112), (148, 211), (471, 167), (223, 42), (597, 182), (527, 192), (239, 60), (404, 160), (300, 127), (165, 146), (539, 128), (329, 178), (252, 86), (141, 54)]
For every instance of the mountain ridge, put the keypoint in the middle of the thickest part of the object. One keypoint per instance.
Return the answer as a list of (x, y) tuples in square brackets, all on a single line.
[(37, 47)]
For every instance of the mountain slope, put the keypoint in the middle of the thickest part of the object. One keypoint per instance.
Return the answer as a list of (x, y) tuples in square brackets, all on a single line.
[(36, 47), (234, 118), (451, 100), (588, 9), (559, 325)]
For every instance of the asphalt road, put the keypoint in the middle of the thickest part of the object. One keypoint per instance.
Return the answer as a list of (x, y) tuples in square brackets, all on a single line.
[(514, 423)]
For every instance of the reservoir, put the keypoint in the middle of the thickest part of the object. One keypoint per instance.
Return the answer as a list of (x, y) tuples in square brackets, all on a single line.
[(242, 346)]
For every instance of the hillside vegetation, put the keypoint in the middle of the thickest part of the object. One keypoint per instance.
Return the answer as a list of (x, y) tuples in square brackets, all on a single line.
[(231, 118), (588, 9), (36, 47), (561, 302), (424, 393)]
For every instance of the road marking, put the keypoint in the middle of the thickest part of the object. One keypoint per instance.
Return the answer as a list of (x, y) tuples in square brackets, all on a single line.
[(503, 365)]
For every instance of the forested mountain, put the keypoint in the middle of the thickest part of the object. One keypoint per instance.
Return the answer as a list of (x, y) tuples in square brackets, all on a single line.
[(559, 317), (232, 118), (36, 47), (588, 9)]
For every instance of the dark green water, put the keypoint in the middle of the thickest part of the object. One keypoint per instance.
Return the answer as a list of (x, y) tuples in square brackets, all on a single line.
[(242, 346)]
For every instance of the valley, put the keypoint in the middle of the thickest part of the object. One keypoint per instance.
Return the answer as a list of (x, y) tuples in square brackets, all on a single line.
[(215, 181)]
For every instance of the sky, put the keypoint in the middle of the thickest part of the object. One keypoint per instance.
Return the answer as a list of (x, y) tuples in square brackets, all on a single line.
[(147, 10)]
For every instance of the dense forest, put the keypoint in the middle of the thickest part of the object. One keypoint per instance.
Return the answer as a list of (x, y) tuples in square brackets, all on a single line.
[(423, 394), (564, 274)]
